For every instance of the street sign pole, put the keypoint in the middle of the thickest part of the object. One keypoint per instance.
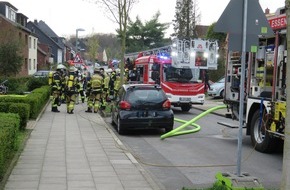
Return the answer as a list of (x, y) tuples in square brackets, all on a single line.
[(242, 89), (244, 21)]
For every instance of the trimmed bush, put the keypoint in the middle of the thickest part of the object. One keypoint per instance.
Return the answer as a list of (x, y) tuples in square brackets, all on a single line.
[(23, 110), (36, 99), (39, 96), (34, 83), (43, 92), (4, 106), (17, 85), (9, 126)]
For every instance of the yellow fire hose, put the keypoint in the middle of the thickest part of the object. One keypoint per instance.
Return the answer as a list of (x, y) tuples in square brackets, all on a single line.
[(178, 131)]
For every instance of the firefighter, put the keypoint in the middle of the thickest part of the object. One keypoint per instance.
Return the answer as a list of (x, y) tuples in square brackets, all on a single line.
[(105, 92), (133, 75), (71, 89), (94, 91), (80, 88), (117, 84), (111, 84), (206, 81), (55, 83), (103, 95), (50, 79), (63, 74), (126, 76)]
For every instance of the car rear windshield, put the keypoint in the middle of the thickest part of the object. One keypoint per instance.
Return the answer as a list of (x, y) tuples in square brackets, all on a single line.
[(146, 96)]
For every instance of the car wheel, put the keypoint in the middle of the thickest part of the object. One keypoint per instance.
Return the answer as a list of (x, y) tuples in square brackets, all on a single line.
[(168, 129), (186, 107), (112, 119), (120, 127), (112, 116)]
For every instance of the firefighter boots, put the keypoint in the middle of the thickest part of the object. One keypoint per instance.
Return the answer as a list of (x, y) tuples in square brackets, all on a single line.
[(89, 110), (54, 109)]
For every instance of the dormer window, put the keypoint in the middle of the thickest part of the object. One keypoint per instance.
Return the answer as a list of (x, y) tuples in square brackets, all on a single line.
[(11, 14)]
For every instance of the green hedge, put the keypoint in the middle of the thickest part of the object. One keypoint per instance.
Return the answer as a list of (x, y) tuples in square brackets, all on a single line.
[(39, 96), (36, 99), (22, 110), (34, 83), (21, 85), (9, 126), (4, 106)]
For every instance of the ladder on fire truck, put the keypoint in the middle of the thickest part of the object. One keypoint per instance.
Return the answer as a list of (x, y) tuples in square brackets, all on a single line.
[(186, 53), (178, 45), (154, 51)]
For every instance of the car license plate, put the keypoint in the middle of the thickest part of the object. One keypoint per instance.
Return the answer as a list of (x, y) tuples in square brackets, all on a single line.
[(143, 114), (185, 99)]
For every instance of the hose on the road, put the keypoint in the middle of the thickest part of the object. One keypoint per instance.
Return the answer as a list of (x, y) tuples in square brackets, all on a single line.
[(179, 131)]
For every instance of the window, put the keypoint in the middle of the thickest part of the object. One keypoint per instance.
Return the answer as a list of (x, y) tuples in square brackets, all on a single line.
[(34, 63), (29, 64), (11, 14), (29, 42), (26, 39), (34, 43), (25, 63), (139, 96)]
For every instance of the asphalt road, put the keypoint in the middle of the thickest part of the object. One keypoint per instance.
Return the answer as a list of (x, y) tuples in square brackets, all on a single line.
[(193, 160)]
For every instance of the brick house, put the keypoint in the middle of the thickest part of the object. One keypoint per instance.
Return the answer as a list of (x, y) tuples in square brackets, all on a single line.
[(13, 25), (43, 57), (40, 46)]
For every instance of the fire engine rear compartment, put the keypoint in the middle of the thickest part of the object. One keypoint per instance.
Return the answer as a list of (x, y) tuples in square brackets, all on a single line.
[(265, 90)]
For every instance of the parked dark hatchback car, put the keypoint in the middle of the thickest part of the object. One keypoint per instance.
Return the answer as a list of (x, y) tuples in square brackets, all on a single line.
[(142, 106)]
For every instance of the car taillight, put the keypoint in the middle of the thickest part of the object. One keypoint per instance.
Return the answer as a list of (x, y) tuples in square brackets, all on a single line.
[(166, 104), (124, 105)]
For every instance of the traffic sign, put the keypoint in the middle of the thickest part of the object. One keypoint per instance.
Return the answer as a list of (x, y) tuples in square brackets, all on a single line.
[(78, 59), (232, 19)]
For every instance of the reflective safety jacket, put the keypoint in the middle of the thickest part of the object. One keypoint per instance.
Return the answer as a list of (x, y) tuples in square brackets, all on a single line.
[(56, 81), (117, 83), (106, 82), (96, 82)]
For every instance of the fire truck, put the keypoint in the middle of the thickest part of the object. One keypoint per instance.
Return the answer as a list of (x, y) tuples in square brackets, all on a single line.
[(177, 69), (265, 88)]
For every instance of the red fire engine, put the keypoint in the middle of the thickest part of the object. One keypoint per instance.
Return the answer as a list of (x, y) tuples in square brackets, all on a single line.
[(177, 68)]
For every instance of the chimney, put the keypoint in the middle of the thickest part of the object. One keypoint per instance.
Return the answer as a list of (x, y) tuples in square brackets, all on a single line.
[(267, 11), (35, 22)]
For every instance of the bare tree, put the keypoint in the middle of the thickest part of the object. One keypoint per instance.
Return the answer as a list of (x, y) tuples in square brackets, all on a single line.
[(285, 182), (119, 11)]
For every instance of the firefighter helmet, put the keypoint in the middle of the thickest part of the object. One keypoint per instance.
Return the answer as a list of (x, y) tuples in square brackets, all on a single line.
[(97, 70), (73, 69), (60, 67)]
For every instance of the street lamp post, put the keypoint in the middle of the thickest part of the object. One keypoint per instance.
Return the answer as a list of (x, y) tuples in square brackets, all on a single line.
[(77, 31)]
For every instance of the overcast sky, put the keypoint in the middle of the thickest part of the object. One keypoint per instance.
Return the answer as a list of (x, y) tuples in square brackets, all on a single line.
[(65, 16)]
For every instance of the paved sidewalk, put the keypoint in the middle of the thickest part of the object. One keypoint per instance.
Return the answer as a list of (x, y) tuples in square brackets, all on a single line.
[(76, 152)]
